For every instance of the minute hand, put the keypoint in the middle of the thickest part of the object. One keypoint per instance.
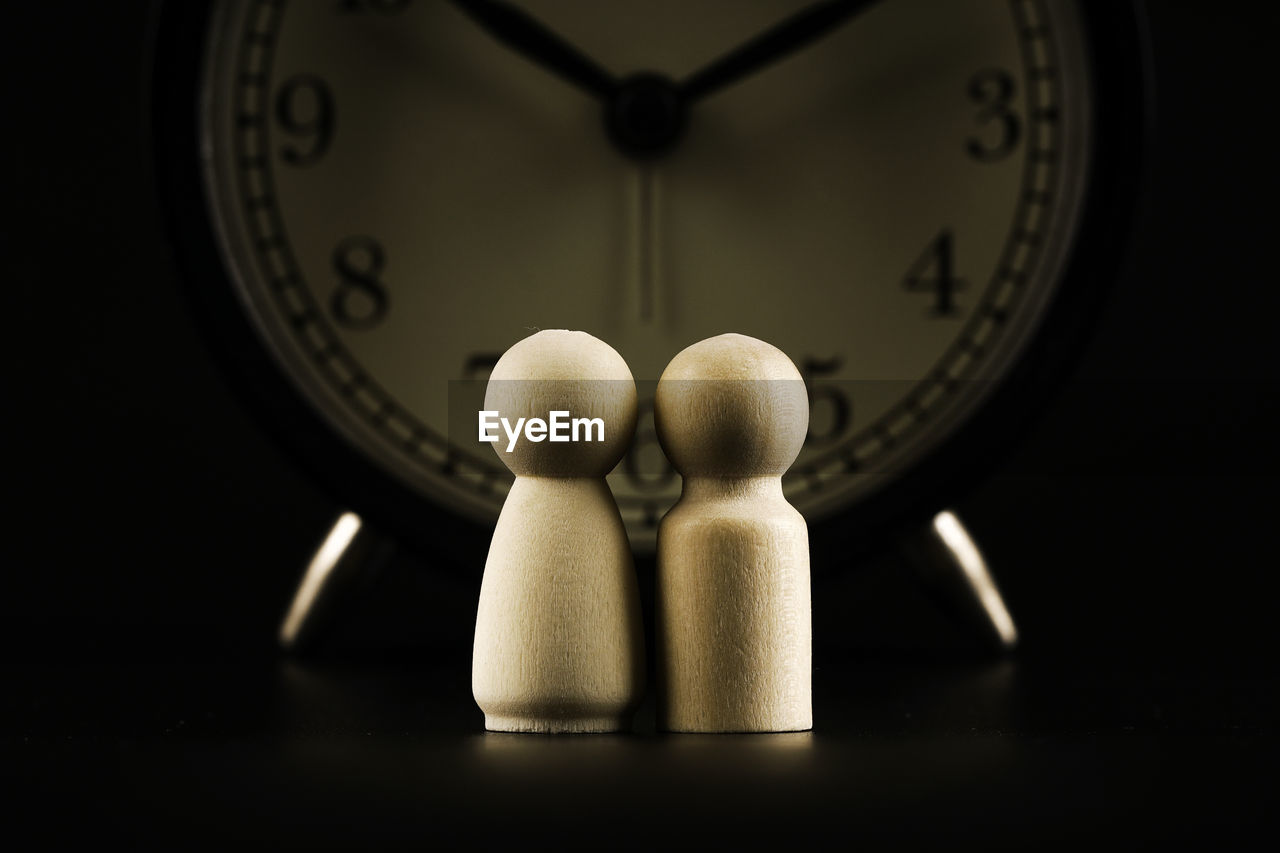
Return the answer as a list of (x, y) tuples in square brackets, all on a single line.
[(802, 28), (524, 34)]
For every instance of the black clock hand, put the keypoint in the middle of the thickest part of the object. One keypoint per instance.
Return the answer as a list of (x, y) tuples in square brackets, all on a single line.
[(802, 28), (521, 32)]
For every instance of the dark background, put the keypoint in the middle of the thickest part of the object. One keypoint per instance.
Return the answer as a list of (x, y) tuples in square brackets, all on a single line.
[(154, 535)]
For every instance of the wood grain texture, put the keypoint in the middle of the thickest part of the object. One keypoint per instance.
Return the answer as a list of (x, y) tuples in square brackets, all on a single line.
[(734, 635), (559, 645)]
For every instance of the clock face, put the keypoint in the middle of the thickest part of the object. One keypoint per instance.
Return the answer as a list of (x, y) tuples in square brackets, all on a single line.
[(398, 197)]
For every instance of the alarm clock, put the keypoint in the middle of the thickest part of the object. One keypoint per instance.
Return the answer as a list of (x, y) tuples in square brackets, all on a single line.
[(920, 202)]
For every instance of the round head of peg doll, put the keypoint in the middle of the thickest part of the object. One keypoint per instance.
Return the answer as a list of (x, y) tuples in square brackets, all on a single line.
[(577, 375), (731, 406)]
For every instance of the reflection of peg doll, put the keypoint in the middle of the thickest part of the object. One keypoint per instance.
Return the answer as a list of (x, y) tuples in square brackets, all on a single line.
[(559, 643), (734, 629)]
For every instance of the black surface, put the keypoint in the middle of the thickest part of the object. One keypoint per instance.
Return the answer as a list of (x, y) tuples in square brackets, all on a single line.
[(153, 538)]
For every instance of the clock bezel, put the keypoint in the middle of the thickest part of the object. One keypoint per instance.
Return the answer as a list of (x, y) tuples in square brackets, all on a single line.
[(1116, 36)]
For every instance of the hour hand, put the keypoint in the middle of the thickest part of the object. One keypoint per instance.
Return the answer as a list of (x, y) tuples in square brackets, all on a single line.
[(788, 36), (526, 35)]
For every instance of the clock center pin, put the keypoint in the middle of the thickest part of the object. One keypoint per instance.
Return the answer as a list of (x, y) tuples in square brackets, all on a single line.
[(646, 115)]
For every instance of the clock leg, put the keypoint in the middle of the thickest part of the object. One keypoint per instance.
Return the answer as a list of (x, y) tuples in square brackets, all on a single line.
[(350, 555), (951, 566)]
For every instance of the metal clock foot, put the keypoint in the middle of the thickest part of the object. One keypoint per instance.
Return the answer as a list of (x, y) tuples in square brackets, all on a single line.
[(950, 564), (350, 556)]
